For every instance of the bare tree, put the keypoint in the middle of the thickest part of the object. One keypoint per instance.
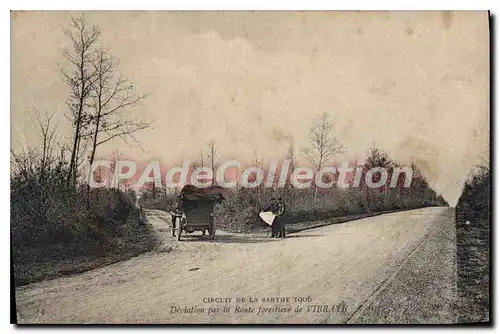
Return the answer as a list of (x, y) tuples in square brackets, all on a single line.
[(323, 144), (291, 156), (79, 75), (202, 158), (112, 96), (46, 131), (33, 160), (202, 161), (212, 157), (38, 169), (257, 161), (24, 162)]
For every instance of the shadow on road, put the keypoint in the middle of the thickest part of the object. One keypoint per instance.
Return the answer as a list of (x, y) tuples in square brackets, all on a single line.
[(303, 236), (228, 238), (224, 239)]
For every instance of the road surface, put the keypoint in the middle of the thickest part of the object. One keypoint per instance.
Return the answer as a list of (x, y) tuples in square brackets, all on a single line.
[(392, 268)]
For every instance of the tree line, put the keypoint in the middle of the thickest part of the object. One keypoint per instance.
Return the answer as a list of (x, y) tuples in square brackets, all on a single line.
[(240, 210)]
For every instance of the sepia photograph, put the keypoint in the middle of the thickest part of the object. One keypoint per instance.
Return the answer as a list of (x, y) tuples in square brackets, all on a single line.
[(250, 167)]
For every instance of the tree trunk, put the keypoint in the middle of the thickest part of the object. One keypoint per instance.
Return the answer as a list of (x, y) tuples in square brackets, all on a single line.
[(76, 139)]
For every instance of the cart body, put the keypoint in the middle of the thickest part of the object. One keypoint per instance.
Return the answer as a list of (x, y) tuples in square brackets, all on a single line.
[(196, 206)]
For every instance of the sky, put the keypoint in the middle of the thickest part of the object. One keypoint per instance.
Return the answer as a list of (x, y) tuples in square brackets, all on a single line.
[(415, 84)]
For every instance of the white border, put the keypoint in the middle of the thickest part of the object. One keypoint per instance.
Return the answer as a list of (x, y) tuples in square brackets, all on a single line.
[(178, 5), (254, 5)]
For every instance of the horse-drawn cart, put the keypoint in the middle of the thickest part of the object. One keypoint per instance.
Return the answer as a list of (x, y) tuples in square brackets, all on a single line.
[(194, 211)]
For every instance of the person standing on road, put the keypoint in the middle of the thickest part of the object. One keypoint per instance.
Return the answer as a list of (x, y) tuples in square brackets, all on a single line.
[(272, 206), (279, 221), (143, 217), (175, 215)]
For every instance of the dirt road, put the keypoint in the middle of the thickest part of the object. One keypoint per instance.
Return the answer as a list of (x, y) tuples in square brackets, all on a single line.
[(397, 268)]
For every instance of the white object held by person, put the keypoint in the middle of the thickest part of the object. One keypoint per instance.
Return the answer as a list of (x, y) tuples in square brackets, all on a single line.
[(267, 217)]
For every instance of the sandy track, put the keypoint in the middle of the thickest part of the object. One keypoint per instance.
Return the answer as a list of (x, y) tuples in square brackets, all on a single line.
[(341, 266)]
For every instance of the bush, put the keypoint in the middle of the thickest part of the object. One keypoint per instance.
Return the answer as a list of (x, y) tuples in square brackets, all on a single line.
[(55, 227), (473, 229), (239, 212)]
